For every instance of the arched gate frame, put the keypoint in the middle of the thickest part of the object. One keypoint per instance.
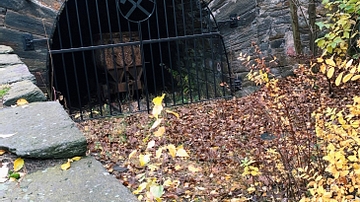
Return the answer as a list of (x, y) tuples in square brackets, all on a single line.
[(113, 56)]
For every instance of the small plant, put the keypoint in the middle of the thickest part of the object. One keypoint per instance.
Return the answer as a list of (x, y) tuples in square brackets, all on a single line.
[(3, 90)]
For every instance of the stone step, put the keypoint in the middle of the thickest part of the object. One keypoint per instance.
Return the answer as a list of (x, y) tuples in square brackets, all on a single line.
[(40, 130)]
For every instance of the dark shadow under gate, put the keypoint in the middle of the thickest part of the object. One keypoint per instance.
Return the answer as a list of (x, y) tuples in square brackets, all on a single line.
[(110, 57)]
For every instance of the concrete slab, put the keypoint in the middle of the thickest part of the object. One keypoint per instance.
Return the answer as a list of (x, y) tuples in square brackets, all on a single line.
[(85, 181), (40, 130)]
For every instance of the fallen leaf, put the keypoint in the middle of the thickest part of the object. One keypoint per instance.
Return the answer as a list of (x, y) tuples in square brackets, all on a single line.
[(193, 169), (76, 158), (144, 159), (4, 170), (160, 132), (173, 113), (18, 164), (21, 102), (172, 150), (159, 152), (66, 165), (6, 135), (156, 123), (2, 152), (181, 153), (132, 154), (151, 144)]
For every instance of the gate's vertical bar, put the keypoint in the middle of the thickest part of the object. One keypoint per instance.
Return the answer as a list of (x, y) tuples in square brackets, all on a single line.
[(122, 49), (160, 52), (113, 57), (103, 56), (152, 57), (143, 68), (177, 49), (74, 64), (93, 58), (205, 54), (83, 57), (195, 51), (64, 69), (186, 53), (169, 52)]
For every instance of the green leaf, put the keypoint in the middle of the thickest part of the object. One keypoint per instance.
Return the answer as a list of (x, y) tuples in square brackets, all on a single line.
[(15, 175), (320, 25)]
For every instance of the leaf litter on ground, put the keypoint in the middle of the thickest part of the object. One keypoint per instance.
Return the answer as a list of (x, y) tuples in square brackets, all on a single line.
[(217, 136)]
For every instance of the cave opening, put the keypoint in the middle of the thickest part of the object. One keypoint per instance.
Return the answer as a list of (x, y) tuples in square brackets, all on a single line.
[(114, 51)]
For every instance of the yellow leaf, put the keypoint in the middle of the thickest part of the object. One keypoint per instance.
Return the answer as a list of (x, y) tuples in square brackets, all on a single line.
[(21, 102), (141, 187), (181, 153), (349, 63), (353, 70), (347, 77), (66, 165), (2, 152), (157, 111), (158, 100), (320, 60), (132, 154), (76, 158), (330, 72), (172, 150), (251, 189), (178, 167), (160, 132), (18, 164), (323, 68), (352, 158), (144, 159), (159, 152), (156, 123), (330, 61), (356, 77), (173, 113), (193, 169), (338, 79)]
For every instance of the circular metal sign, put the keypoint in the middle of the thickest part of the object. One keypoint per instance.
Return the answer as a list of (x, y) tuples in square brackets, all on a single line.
[(136, 10)]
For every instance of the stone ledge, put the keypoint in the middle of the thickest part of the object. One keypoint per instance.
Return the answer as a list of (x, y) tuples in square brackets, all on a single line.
[(23, 89), (41, 130)]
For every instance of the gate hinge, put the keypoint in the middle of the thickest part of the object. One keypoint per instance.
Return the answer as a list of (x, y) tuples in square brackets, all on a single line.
[(28, 42)]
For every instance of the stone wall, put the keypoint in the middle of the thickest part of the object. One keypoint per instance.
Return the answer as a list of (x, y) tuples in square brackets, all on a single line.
[(265, 22), (19, 17)]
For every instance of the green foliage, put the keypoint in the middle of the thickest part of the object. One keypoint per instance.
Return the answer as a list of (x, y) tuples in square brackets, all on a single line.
[(341, 23), (3, 90), (337, 61)]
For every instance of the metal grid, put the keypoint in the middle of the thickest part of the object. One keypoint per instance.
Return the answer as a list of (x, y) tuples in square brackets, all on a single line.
[(109, 57)]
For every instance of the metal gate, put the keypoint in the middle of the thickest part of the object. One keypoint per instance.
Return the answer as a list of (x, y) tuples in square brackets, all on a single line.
[(109, 57)]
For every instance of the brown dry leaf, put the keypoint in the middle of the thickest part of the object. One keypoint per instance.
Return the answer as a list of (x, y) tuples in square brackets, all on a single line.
[(2, 152)]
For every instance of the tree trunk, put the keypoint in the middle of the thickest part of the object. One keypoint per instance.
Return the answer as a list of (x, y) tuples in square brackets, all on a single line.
[(295, 26), (312, 27)]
